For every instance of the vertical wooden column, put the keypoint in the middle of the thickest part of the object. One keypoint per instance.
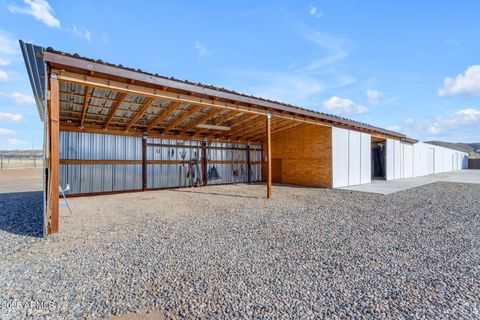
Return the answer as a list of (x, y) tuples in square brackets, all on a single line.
[(249, 166), (54, 153), (144, 163), (269, 156), (204, 164)]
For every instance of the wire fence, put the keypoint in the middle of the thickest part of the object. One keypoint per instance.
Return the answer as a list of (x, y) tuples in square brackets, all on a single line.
[(20, 162)]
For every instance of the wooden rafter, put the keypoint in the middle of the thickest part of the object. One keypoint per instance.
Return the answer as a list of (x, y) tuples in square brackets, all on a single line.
[(260, 128), (201, 119), (140, 113), (115, 107), (94, 128), (71, 77), (245, 130), (243, 121), (165, 114), (179, 120), (277, 130), (222, 119), (86, 99), (241, 127)]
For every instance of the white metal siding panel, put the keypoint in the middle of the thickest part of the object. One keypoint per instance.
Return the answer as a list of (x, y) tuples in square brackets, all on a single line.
[(407, 160), (389, 159), (366, 158), (354, 158), (339, 157), (397, 162)]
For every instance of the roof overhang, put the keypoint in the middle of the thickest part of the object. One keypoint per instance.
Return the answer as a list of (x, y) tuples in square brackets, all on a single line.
[(88, 72)]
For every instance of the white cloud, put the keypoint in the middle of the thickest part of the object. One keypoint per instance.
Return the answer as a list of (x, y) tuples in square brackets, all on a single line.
[(374, 96), (393, 128), (461, 126), (80, 32), (8, 46), (4, 62), (451, 42), (467, 83), (39, 9), (4, 76), (315, 12), (16, 142), (336, 49), (303, 84), (20, 98), (6, 131), (202, 49), (13, 117), (105, 39), (343, 106)]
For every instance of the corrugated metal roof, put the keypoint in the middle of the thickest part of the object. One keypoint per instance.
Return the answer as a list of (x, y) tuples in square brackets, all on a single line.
[(343, 120), (37, 70)]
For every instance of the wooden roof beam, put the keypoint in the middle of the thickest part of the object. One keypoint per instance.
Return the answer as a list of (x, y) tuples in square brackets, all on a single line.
[(261, 127), (201, 119), (179, 120), (140, 113), (86, 100), (71, 77), (278, 130), (222, 119), (245, 121), (243, 126), (165, 114), (115, 107)]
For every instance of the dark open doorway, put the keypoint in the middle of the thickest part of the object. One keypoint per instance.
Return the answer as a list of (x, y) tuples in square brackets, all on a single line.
[(379, 149)]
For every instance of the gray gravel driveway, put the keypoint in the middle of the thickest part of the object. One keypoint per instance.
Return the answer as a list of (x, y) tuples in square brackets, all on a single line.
[(307, 253)]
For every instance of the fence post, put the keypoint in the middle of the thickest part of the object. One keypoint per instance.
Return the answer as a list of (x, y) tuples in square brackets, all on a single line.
[(1, 162)]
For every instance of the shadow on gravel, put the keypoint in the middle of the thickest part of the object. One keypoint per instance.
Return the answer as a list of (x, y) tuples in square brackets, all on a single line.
[(218, 194), (21, 213)]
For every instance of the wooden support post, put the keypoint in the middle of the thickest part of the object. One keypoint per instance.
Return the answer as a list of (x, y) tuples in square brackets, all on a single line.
[(54, 153), (269, 156), (249, 166), (144, 163), (204, 164)]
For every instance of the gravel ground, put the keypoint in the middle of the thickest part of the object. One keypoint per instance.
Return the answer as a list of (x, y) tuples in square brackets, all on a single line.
[(306, 253)]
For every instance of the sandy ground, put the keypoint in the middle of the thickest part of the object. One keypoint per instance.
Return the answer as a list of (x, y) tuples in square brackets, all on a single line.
[(20, 180)]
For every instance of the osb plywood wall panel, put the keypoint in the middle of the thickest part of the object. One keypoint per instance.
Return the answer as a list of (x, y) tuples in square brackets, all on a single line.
[(303, 156)]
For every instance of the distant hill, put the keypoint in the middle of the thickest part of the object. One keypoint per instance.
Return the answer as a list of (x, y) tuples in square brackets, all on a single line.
[(473, 149), (16, 153)]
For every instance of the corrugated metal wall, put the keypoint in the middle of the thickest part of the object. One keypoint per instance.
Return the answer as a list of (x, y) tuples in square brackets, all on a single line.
[(444, 159), (175, 175), (93, 178), (90, 178), (351, 157), (236, 172), (421, 159)]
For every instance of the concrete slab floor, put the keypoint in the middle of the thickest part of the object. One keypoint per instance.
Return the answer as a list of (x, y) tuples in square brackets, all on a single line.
[(392, 186)]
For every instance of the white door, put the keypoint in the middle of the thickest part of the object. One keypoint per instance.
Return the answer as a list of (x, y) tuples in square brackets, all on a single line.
[(431, 160)]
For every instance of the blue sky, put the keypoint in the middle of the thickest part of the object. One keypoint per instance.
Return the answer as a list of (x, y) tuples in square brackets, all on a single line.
[(410, 66)]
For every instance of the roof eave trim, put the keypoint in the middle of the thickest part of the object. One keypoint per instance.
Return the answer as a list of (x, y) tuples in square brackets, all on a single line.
[(36, 69), (96, 67)]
